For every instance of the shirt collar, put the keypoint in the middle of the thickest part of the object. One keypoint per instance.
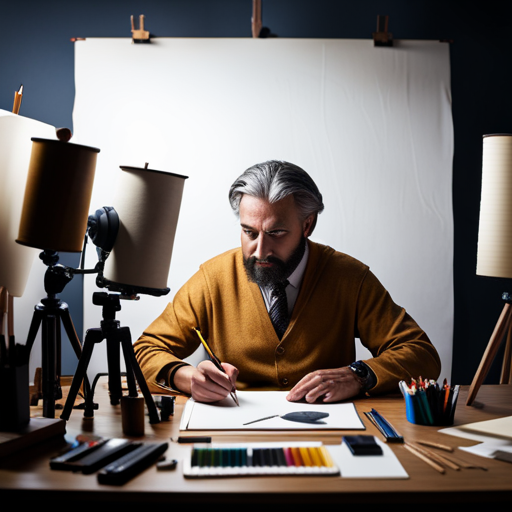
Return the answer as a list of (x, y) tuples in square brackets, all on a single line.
[(296, 276)]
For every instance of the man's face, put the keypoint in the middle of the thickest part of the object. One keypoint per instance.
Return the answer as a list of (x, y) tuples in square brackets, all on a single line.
[(273, 237)]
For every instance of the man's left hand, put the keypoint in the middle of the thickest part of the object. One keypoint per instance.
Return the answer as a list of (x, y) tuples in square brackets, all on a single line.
[(326, 385)]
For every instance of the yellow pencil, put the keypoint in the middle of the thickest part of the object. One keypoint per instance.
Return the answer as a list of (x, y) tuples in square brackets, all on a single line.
[(17, 100), (215, 360)]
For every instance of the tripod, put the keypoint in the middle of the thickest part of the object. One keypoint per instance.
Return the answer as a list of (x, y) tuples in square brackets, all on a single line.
[(502, 331), (114, 334), (48, 314)]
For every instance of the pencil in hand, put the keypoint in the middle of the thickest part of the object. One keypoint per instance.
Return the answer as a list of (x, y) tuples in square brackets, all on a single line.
[(216, 361)]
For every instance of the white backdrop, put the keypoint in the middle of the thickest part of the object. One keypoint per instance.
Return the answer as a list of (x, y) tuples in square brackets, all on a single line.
[(371, 125)]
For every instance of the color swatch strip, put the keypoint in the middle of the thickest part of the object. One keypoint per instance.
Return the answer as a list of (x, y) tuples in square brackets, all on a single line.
[(251, 460)]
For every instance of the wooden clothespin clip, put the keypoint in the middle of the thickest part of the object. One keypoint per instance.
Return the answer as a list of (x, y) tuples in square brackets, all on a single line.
[(139, 35), (382, 37)]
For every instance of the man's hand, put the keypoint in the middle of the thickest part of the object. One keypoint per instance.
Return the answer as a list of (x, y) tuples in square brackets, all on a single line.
[(206, 383), (326, 385)]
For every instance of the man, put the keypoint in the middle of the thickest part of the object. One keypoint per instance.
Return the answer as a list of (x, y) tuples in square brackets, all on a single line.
[(329, 300)]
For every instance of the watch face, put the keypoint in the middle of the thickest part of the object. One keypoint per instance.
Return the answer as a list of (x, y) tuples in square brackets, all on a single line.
[(359, 370), (364, 374)]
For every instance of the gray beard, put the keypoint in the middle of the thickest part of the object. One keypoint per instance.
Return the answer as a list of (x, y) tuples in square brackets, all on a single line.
[(279, 272)]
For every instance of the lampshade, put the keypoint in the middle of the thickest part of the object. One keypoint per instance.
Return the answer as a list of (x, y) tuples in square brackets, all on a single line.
[(57, 196), (494, 256), (148, 204), (15, 148)]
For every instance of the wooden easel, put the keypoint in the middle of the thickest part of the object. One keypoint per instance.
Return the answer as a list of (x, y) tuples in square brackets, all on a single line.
[(502, 328)]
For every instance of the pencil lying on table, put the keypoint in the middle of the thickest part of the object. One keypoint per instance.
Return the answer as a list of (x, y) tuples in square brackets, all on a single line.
[(437, 445), (424, 457), (215, 360)]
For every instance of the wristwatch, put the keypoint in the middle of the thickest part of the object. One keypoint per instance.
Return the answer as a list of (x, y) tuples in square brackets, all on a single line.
[(364, 375)]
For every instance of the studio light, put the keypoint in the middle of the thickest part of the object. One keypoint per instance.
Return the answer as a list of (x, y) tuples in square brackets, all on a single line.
[(15, 260), (148, 204), (15, 150), (54, 218), (134, 239)]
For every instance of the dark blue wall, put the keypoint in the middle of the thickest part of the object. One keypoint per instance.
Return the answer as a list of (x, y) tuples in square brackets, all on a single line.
[(36, 50)]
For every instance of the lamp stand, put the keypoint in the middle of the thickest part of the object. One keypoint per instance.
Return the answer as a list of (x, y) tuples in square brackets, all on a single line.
[(503, 327), (48, 314), (114, 334)]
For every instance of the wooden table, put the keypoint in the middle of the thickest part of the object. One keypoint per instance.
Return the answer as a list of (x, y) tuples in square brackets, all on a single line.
[(26, 476)]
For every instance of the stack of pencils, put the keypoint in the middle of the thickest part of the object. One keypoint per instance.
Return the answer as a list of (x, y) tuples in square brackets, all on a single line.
[(429, 403)]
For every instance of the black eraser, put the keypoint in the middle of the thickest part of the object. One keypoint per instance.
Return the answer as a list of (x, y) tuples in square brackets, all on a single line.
[(362, 445)]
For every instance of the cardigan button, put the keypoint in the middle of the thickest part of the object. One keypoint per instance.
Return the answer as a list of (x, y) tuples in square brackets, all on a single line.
[(284, 382), (280, 350)]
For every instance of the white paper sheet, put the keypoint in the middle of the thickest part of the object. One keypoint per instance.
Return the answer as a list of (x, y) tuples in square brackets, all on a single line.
[(499, 427), (386, 465), (225, 415), (489, 435)]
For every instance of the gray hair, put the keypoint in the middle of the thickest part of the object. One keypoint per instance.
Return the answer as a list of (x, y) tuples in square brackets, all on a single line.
[(274, 180)]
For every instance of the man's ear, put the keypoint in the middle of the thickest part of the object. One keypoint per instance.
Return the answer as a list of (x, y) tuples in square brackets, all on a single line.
[(309, 225)]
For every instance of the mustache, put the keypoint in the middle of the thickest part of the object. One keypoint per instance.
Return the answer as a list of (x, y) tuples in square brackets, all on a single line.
[(269, 259)]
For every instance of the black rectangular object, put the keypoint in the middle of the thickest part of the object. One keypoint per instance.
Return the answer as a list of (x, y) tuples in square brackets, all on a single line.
[(104, 454), (63, 461), (131, 464), (362, 445)]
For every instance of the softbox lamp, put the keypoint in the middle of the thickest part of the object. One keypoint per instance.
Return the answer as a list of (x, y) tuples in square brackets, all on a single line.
[(15, 260), (148, 204), (15, 150)]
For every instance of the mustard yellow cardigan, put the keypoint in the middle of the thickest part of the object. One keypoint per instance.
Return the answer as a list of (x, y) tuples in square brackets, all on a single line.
[(340, 299)]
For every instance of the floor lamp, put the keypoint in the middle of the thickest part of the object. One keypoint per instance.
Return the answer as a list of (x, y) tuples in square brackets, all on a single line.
[(494, 256), (54, 219)]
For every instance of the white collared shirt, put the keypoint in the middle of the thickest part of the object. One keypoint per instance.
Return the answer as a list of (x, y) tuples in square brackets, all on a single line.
[(292, 290)]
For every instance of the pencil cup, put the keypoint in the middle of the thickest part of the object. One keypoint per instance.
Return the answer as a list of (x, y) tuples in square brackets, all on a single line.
[(132, 415), (429, 403)]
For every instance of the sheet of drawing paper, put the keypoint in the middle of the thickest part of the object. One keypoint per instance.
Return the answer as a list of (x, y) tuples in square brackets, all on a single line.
[(255, 405)]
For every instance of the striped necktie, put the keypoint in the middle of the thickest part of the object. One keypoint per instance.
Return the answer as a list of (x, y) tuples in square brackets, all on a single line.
[(279, 309)]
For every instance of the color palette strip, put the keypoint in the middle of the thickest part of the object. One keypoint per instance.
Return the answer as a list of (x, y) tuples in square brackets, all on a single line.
[(257, 459)]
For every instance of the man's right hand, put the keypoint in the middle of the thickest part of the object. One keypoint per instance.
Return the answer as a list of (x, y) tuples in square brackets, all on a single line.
[(206, 383)]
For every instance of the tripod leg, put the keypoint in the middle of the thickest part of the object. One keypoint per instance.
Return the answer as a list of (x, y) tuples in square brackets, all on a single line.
[(131, 362), (124, 334), (93, 336), (49, 366), (490, 352), (114, 370), (34, 327), (506, 373), (69, 327)]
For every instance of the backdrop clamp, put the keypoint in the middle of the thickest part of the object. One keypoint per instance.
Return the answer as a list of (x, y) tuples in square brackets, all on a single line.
[(139, 35), (382, 37)]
